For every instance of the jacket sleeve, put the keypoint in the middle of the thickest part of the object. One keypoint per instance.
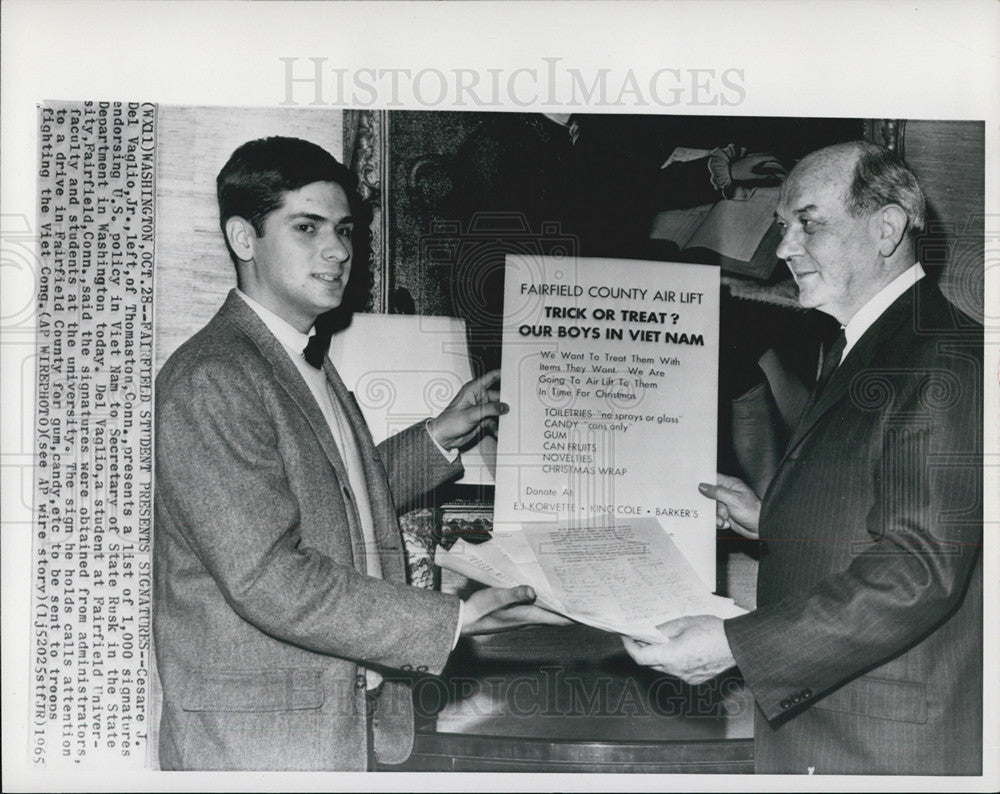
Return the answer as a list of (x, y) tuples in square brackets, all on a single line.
[(415, 466), (908, 575), (221, 481)]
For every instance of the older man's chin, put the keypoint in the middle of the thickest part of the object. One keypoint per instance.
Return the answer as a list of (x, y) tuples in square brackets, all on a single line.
[(807, 296)]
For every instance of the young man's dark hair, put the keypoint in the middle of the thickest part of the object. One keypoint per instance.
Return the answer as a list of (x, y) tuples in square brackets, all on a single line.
[(252, 184)]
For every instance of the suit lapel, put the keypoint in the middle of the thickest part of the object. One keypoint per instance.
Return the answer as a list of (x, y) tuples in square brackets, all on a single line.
[(287, 376), (387, 533), (858, 359), (363, 440)]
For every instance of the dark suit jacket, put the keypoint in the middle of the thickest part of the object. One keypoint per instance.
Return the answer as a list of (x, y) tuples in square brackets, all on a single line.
[(865, 652), (261, 616)]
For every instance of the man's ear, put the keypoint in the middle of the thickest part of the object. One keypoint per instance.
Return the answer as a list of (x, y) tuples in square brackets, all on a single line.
[(241, 236), (889, 225)]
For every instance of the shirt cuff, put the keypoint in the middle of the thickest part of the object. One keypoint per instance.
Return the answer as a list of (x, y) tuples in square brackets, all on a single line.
[(719, 161), (458, 628), (451, 455)]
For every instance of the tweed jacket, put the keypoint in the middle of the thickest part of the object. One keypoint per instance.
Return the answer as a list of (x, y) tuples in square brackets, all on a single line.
[(865, 652), (261, 614)]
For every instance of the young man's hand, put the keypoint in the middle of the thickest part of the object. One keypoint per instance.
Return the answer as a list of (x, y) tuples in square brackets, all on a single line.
[(474, 411), (497, 609)]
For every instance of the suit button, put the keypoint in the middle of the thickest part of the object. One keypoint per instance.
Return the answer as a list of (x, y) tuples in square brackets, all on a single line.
[(807, 693), (406, 667), (796, 698), (786, 703), (359, 681), (422, 668)]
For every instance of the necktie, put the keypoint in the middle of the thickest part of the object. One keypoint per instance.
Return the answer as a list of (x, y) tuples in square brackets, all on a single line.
[(831, 361), (315, 350)]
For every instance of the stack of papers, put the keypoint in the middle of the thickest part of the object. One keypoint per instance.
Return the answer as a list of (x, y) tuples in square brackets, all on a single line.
[(625, 577)]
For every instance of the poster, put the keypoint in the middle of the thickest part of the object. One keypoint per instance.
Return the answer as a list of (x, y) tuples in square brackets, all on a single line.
[(612, 368), (832, 60)]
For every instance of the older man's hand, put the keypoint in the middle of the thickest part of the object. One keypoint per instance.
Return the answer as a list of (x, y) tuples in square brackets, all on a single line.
[(694, 649), (737, 506)]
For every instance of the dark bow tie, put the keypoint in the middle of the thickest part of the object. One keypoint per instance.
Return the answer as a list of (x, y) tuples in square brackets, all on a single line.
[(316, 350)]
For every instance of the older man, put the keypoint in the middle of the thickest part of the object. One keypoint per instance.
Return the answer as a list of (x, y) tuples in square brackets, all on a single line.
[(864, 654)]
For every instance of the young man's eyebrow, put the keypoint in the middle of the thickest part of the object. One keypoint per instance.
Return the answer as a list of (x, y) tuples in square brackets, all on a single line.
[(311, 216)]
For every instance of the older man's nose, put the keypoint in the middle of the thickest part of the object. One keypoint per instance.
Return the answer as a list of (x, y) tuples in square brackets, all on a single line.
[(790, 245)]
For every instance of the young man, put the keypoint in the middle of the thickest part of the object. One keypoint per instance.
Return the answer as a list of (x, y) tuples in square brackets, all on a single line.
[(280, 595), (864, 654)]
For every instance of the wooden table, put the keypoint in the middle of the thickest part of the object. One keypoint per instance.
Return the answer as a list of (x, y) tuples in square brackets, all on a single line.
[(569, 699)]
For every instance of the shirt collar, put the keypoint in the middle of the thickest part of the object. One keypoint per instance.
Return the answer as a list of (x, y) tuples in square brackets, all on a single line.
[(290, 337), (866, 316)]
